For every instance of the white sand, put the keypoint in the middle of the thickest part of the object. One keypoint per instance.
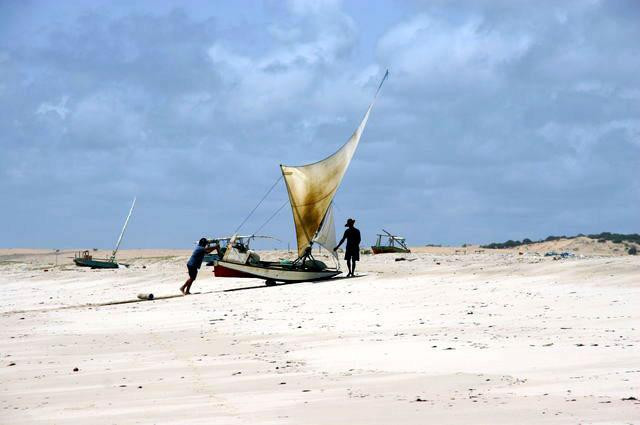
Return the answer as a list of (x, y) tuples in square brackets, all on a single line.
[(490, 337)]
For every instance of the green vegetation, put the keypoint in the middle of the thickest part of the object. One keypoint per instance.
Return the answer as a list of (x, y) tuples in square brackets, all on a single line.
[(507, 244), (600, 237)]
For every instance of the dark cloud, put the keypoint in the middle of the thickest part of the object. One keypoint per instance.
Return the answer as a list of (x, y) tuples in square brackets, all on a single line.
[(500, 119)]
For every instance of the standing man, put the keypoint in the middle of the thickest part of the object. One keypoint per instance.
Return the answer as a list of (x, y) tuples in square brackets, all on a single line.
[(195, 262), (352, 252)]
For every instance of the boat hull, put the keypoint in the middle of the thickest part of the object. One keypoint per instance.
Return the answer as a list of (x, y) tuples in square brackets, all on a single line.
[(95, 264), (388, 249), (270, 272)]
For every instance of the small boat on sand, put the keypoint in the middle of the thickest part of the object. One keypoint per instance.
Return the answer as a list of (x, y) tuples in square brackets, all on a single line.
[(392, 243), (85, 259)]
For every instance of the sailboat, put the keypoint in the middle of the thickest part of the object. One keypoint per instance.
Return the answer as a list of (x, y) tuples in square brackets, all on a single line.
[(394, 243), (311, 189), (84, 259)]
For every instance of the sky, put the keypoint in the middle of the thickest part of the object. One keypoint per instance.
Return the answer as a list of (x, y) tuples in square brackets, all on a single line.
[(499, 120)]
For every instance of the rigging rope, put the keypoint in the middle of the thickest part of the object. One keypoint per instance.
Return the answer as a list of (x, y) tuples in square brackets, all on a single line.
[(259, 203), (272, 216)]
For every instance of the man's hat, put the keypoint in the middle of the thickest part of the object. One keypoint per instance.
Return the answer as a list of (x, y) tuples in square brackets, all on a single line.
[(350, 221)]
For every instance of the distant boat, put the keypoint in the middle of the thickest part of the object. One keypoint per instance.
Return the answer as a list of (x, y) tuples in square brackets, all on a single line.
[(393, 243), (84, 259), (311, 189)]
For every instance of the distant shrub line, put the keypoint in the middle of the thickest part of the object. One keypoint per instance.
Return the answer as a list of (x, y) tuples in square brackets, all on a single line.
[(600, 237)]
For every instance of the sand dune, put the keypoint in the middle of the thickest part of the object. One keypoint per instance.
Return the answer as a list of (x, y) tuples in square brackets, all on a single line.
[(473, 336)]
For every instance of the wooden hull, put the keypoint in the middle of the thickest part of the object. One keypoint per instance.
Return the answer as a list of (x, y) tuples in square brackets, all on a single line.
[(388, 249), (95, 264), (222, 271), (270, 272)]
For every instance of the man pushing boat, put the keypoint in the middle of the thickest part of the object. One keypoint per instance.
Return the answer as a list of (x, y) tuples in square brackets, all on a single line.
[(352, 251), (195, 262)]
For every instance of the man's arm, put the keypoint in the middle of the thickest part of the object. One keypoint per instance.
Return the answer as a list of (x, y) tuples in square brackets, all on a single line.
[(341, 240)]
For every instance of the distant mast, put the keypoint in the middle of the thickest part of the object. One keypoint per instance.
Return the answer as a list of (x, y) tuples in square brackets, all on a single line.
[(115, 250)]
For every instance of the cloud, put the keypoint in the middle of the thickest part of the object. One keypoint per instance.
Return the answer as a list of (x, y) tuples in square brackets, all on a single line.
[(499, 120), (60, 108), (436, 51)]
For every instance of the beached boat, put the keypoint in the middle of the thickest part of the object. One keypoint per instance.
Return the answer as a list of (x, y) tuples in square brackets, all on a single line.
[(391, 244), (311, 190), (240, 261), (84, 259)]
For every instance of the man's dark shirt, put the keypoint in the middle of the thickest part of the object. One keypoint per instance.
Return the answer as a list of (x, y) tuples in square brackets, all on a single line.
[(197, 257), (352, 235)]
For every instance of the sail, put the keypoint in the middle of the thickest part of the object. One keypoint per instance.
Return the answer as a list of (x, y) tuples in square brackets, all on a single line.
[(326, 236), (312, 187)]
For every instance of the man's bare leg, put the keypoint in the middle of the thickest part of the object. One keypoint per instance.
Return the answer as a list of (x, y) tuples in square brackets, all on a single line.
[(353, 267), (188, 290), (349, 267), (186, 285)]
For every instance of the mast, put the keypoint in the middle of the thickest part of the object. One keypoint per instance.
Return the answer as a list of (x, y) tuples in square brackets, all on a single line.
[(115, 250)]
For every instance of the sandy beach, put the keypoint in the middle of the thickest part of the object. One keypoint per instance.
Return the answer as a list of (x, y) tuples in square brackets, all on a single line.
[(450, 335)]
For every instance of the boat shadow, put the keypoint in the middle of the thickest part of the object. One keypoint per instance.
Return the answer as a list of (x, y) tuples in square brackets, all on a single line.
[(263, 286)]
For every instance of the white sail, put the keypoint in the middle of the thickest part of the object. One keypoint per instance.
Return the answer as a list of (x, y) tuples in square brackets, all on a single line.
[(326, 236), (312, 187)]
